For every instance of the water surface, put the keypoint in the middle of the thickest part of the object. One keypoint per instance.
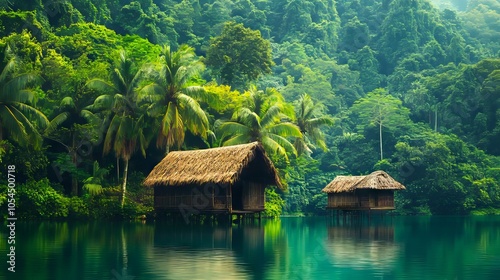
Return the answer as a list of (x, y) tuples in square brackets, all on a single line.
[(289, 248)]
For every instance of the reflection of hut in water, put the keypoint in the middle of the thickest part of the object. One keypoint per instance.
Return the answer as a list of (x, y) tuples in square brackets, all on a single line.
[(227, 179), (202, 264), (362, 246), (168, 235), (248, 237), (370, 192), (237, 251), (366, 232)]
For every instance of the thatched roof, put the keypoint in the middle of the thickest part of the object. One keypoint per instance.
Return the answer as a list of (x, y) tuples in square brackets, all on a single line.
[(378, 180), (223, 165)]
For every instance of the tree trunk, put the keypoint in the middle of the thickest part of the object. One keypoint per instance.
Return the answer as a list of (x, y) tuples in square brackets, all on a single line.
[(124, 186), (74, 159), (380, 136), (74, 186), (117, 170), (74, 180), (436, 119)]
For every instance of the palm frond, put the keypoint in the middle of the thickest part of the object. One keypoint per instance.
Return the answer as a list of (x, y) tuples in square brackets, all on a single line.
[(120, 81), (271, 116), (319, 121), (102, 86), (89, 116), (234, 128), (99, 172), (67, 102), (248, 118), (172, 127), (195, 118), (14, 126), (35, 114), (273, 147), (139, 133), (56, 122), (20, 82), (92, 189), (8, 69), (149, 93), (32, 133), (283, 142), (102, 102), (124, 141), (21, 95), (301, 147), (237, 139), (200, 94), (187, 72), (110, 133), (285, 129)]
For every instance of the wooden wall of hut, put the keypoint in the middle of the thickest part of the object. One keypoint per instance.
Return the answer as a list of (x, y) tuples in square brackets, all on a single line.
[(253, 196), (347, 199), (247, 196), (196, 197), (362, 199)]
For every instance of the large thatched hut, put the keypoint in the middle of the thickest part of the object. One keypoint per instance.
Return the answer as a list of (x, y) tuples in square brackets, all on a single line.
[(374, 191), (227, 179)]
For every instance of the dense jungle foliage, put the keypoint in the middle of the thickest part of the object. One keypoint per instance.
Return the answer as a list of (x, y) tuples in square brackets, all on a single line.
[(94, 93)]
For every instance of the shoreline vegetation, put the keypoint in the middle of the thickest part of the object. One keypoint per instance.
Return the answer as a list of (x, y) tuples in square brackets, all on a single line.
[(93, 94)]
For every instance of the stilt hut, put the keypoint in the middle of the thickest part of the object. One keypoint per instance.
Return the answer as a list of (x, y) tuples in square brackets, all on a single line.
[(370, 192), (228, 179)]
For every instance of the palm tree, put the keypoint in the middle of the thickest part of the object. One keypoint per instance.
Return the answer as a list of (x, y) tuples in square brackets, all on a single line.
[(126, 131), (262, 120), (79, 123), (93, 184), (174, 98), (309, 122), (18, 118)]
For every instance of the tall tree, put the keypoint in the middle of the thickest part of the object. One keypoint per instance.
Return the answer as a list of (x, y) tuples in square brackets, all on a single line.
[(381, 109), (18, 118), (239, 55), (127, 130), (174, 95), (309, 122), (262, 119), (73, 127)]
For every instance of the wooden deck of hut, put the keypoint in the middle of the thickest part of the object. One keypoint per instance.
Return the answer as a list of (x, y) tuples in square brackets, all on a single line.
[(228, 180), (371, 192)]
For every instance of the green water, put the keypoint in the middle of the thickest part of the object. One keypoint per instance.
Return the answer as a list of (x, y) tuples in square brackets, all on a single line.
[(290, 248)]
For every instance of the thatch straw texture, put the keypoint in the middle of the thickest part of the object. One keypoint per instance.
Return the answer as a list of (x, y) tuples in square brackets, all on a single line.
[(218, 165), (378, 180)]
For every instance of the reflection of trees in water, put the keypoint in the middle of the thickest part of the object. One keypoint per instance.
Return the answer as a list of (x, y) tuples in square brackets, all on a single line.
[(452, 246), (80, 250)]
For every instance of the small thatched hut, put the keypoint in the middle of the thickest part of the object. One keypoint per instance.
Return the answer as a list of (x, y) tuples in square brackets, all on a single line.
[(374, 191), (227, 179)]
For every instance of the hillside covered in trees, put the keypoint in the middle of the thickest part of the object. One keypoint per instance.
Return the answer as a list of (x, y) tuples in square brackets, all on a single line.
[(94, 93)]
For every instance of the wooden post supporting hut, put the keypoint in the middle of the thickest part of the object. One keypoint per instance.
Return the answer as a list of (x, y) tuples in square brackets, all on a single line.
[(222, 180), (354, 193)]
